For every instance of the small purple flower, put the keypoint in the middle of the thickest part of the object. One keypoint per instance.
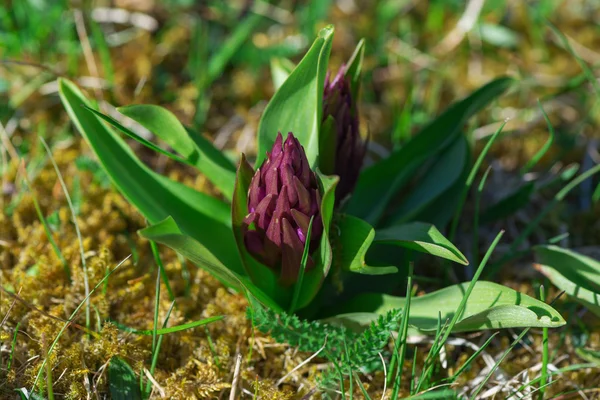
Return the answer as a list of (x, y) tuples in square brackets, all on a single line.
[(350, 149), (282, 198)]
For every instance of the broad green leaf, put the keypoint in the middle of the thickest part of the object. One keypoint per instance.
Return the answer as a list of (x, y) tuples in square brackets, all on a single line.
[(441, 210), (352, 238), (137, 137), (327, 145), (281, 68), (262, 276), (508, 205), (490, 306), (576, 274), (592, 356), (444, 172), (200, 152), (323, 256), (168, 233), (421, 237), (165, 125), (297, 105), (379, 184), (203, 217), (122, 381)]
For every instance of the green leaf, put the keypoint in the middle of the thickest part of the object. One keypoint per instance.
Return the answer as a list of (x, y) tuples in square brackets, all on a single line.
[(592, 356), (435, 394), (379, 184), (327, 146), (445, 171), (262, 276), (352, 239), (421, 237), (137, 137), (281, 68), (171, 329), (226, 50), (508, 205), (441, 210), (354, 69), (490, 306), (25, 395), (168, 233), (122, 381), (164, 124), (203, 217), (197, 150), (588, 72), (297, 105), (303, 263), (323, 256), (544, 149), (576, 274)]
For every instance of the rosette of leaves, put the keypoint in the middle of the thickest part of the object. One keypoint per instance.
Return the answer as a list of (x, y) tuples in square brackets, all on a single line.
[(212, 232)]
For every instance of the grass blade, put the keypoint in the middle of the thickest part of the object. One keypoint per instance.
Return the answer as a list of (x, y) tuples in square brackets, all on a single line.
[(471, 179), (63, 185), (541, 152), (586, 69), (172, 329), (156, 350), (472, 358), (13, 344), (475, 244), (544, 372), (513, 250), (403, 333), (47, 229), (161, 267), (493, 370), (461, 307)]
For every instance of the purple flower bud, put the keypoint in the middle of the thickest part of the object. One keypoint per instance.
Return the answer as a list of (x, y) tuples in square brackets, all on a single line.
[(282, 198), (350, 149)]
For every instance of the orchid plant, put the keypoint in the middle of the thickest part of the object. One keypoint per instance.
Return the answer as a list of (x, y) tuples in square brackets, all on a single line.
[(294, 232)]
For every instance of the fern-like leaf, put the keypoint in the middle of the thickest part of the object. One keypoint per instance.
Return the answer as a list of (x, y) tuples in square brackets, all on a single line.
[(359, 351)]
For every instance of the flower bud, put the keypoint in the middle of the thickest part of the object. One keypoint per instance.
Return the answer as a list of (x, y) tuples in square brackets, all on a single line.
[(350, 149), (282, 198)]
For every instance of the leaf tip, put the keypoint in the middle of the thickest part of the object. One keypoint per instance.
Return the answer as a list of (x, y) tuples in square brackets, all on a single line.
[(326, 32)]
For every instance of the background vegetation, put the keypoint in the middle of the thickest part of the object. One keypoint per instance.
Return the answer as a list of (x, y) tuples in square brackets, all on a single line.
[(209, 63)]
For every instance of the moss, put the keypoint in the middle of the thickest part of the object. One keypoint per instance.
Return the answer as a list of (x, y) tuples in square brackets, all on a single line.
[(189, 363)]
